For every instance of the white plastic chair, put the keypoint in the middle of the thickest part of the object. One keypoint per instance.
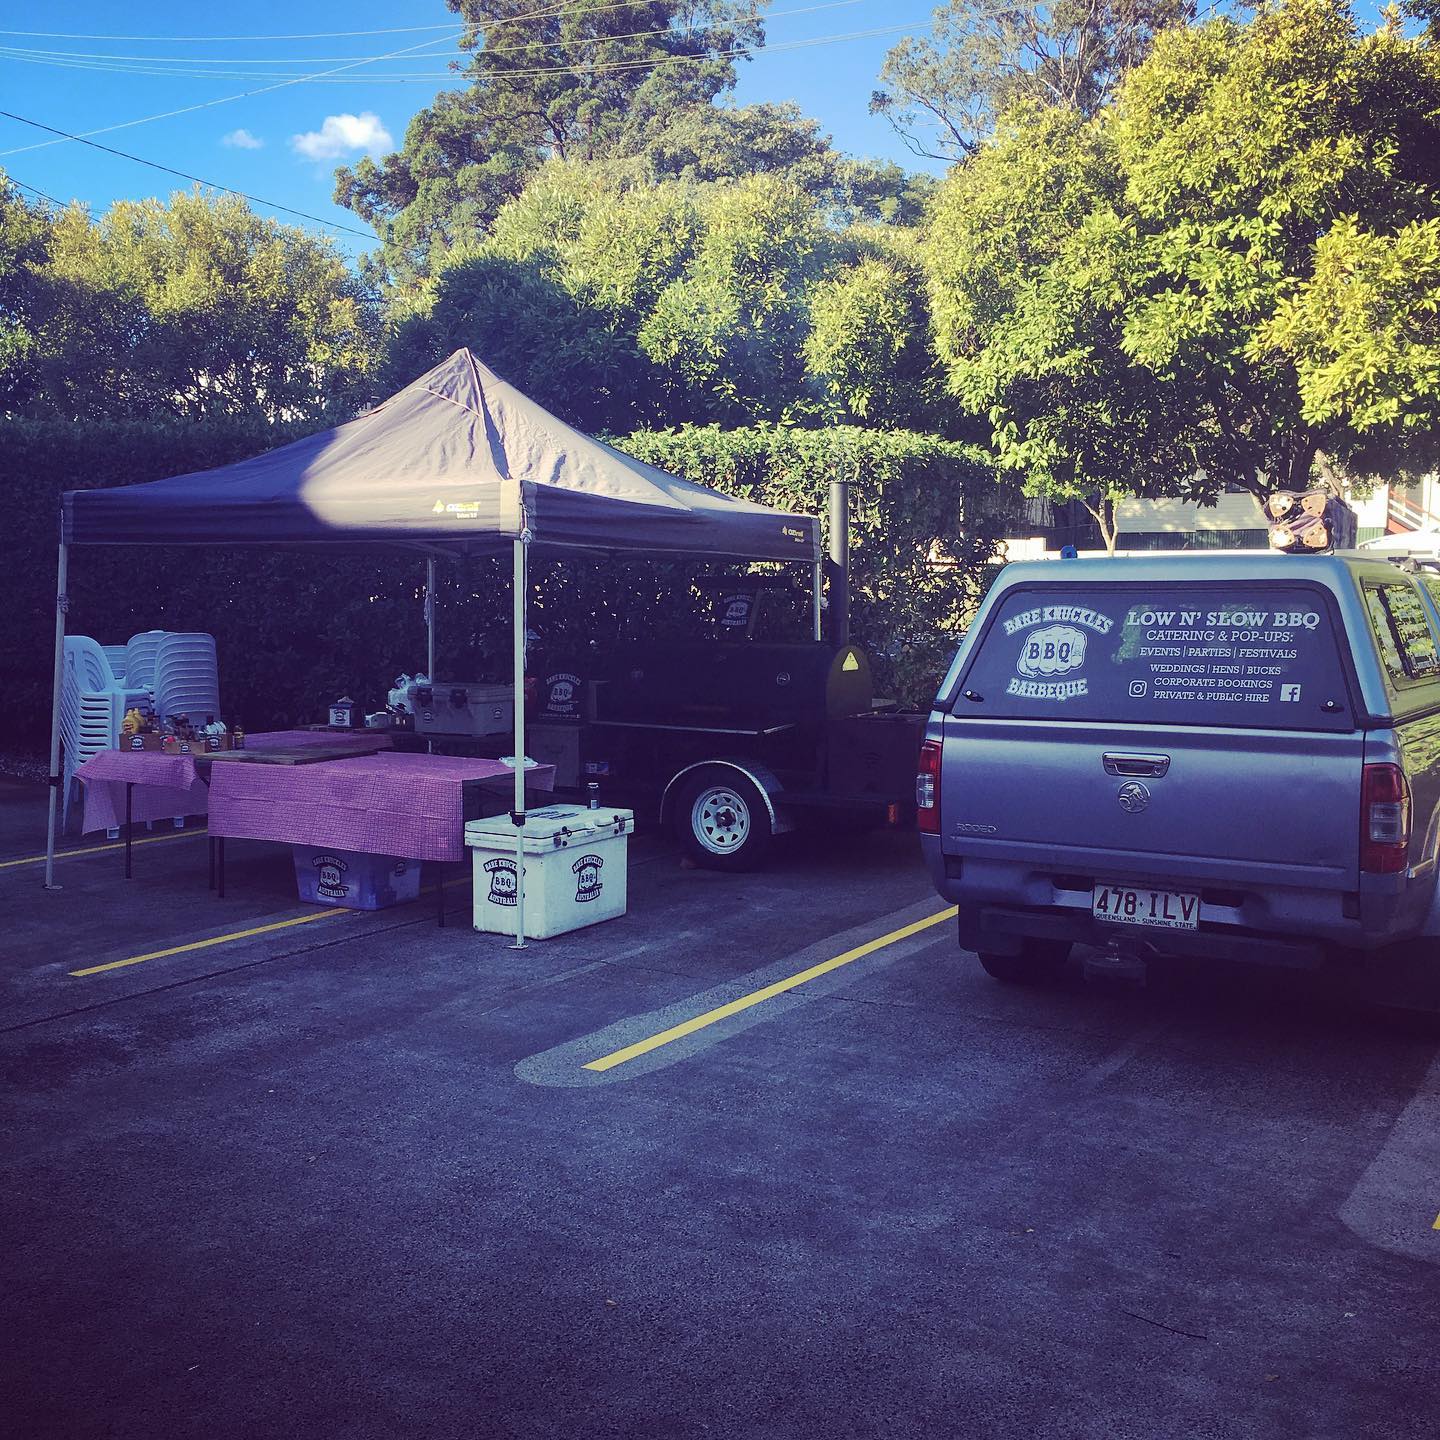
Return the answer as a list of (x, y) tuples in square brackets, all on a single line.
[(186, 679), (117, 655), (92, 707), (140, 657)]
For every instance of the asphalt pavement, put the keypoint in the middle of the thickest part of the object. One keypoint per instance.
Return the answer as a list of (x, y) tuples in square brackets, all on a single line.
[(767, 1157)]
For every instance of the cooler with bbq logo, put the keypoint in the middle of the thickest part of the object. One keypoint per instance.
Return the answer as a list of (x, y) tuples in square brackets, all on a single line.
[(575, 869)]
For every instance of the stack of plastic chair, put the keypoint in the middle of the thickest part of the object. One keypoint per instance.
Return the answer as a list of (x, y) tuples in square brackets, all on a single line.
[(187, 679), (117, 655), (140, 658), (92, 706)]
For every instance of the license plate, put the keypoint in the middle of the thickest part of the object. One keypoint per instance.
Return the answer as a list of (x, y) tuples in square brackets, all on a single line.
[(1126, 905)]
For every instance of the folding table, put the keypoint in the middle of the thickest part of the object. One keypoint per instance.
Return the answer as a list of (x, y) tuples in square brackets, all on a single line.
[(169, 784), (411, 806)]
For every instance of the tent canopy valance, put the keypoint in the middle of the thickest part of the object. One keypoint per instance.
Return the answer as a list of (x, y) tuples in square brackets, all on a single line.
[(459, 459)]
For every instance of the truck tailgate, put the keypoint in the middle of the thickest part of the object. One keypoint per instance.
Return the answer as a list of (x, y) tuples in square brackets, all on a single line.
[(1167, 803)]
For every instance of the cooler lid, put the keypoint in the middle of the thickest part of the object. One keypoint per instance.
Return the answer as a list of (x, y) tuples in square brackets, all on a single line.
[(558, 825)]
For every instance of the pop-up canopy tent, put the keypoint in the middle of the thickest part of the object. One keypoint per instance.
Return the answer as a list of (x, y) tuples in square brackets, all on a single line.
[(459, 461)]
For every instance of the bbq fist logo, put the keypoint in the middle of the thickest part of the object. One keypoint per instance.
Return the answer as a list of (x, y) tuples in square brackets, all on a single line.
[(502, 881), (330, 877), (1052, 650), (588, 884)]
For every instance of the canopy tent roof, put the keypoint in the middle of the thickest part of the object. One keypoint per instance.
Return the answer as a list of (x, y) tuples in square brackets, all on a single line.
[(459, 459)]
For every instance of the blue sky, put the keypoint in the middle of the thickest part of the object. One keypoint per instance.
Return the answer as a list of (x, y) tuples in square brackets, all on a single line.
[(283, 145)]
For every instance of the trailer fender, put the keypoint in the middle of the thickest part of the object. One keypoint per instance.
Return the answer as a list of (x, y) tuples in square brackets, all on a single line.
[(771, 790)]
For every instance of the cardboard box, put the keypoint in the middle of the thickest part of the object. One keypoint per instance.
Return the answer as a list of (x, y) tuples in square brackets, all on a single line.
[(200, 745)]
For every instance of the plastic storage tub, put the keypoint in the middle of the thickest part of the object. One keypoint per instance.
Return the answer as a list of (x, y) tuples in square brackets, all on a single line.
[(354, 879), (575, 869)]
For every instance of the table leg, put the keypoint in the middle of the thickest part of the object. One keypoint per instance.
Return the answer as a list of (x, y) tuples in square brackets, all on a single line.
[(220, 867), (440, 894), (210, 846), (129, 828)]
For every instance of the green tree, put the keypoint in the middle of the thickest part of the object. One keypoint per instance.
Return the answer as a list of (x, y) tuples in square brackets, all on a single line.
[(585, 81), (622, 302), (198, 308), (25, 232), (1135, 300), (868, 350), (1364, 334), (945, 92), (730, 329)]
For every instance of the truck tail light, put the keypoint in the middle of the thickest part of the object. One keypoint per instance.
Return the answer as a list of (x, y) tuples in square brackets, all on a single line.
[(1384, 820), (927, 789)]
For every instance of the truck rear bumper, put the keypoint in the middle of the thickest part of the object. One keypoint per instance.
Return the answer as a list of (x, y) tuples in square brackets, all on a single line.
[(1260, 921), (999, 929)]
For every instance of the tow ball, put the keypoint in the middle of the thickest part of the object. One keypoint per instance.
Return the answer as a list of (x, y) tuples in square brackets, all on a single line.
[(1117, 963)]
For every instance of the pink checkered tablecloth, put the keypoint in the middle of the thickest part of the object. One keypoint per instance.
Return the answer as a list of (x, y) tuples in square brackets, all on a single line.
[(168, 785), (384, 804)]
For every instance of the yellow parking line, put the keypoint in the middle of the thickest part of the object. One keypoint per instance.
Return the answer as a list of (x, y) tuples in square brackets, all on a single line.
[(97, 849), (1436, 1225), (217, 940), (756, 997), (238, 935)]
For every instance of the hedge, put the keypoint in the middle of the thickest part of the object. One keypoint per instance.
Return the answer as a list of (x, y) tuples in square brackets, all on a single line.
[(926, 516), (296, 628)]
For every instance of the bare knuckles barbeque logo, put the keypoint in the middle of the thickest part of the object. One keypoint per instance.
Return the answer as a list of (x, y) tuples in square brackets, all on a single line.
[(502, 881), (1055, 645), (562, 693), (588, 883), (330, 877)]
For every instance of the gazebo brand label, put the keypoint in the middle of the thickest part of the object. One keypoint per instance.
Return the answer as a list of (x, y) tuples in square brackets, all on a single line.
[(462, 509)]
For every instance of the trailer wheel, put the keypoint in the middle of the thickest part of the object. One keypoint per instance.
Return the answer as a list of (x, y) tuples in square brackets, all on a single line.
[(722, 822)]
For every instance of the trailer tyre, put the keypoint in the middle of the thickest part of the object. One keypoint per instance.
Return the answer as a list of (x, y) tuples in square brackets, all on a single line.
[(722, 822), (1040, 962)]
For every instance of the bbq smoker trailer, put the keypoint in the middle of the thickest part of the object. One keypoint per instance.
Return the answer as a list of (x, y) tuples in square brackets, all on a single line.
[(731, 741)]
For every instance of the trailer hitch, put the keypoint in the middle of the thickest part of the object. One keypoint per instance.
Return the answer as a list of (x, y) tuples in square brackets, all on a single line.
[(1125, 963)]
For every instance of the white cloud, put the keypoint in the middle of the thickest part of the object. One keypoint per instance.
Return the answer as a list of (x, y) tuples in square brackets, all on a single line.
[(342, 135), (241, 140)]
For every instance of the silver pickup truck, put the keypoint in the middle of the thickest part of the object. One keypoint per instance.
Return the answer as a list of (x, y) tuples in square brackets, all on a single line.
[(1229, 755)]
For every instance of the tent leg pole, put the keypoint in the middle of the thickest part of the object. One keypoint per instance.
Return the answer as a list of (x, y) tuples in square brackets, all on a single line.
[(430, 619), (817, 580), (430, 632), (517, 815), (62, 604)]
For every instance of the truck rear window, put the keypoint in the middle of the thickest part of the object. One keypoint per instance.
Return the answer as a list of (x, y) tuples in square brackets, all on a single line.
[(1257, 656)]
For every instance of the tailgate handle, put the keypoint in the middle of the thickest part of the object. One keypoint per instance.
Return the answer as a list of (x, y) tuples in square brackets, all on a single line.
[(1119, 762)]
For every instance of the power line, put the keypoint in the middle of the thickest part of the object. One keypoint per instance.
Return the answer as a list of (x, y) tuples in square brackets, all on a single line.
[(20, 52), (302, 79), (9, 179), (577, 67), (185, 175), (219, 39), (223, 100)]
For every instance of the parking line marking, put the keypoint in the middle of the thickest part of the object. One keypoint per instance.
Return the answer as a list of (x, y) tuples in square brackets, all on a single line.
[(217, 940), (98, 849), (338, 913), (1436, 1225), (768, 992)]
